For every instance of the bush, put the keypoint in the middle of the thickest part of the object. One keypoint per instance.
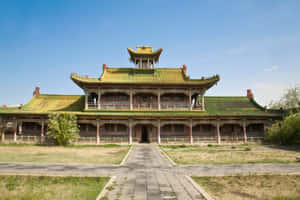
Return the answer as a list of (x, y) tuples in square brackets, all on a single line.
[(63, 128), (247, 149), (285, 132)]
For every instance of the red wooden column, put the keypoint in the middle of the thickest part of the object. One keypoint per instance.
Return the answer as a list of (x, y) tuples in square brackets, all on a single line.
[(218, 132), (158, 131), (245, 131), (191, 131), (98, 131)]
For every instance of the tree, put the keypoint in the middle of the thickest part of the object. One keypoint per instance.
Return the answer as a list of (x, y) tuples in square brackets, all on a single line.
[(285, 132), (63, 128), (291, 99)]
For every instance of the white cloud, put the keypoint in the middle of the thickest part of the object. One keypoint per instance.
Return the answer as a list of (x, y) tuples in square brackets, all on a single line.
[(271, 69)]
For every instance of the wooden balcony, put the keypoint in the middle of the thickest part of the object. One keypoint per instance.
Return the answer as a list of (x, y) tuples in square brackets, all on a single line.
[(139, 106), (166, 106)]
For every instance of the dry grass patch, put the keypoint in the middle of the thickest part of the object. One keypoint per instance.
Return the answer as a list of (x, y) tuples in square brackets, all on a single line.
[(45, 187), (264, 187), (239, 154), (105, 154)]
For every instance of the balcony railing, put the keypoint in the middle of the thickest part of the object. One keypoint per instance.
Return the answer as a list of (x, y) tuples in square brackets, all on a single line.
[(166, 106), (115, 106), (147, 106), (139, 106)]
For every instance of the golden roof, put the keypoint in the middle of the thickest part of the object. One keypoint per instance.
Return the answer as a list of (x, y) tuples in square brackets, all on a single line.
[(145, 76), (144, 51)]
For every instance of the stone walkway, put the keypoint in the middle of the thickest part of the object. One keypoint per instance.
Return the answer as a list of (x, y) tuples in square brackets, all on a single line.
[(150, 176), (147, 174)]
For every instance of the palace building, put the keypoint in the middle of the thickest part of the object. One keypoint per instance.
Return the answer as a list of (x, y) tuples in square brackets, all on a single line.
[(142, 104)]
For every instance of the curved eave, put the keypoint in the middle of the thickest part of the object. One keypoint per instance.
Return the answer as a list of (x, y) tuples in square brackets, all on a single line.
[(125, 113), (209, 82), (134, 53)]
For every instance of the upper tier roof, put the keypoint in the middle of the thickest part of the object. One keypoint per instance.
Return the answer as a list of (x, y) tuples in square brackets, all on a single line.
[(144, 51), (215, 106), (145, 76)]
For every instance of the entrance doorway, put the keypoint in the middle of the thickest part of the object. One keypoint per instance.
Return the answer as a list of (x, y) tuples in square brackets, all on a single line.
[(145, 138)]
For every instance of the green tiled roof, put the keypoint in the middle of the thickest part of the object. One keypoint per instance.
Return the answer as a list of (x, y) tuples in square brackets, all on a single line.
[(46, 103), (222, 106), (232, 106), (147, 76)]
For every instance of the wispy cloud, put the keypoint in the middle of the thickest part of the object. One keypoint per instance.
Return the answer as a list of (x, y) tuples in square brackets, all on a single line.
[(271, 69)]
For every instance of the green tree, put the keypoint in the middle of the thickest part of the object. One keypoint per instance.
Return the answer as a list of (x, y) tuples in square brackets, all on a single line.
[(290, 99), (285, 132), (63, 128)]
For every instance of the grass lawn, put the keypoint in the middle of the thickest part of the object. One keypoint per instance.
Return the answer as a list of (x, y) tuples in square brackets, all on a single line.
[(263, 187), (46, 187), (238, 154), (85, 154)]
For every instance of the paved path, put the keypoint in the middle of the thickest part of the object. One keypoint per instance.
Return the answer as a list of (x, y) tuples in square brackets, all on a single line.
[(147, 174)]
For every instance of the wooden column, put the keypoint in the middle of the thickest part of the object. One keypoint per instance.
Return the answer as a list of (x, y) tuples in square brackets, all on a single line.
[(86, 100), (141, 63), (130, 132), (3, 134), (131, 99), (202, 103), (245, 131), (42, 131), (42, 128), (15, 133), (153, 63), (20, 128), (98, 131), (99, 99), (190, 99), (218, 132), (191, 131), (158, 131), (158, 99), (148, 63)]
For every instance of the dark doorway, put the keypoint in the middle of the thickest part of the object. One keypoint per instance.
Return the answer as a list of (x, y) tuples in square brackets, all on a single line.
[(145, 138)]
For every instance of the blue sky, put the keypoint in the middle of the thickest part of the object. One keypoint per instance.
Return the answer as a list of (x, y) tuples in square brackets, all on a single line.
[(251, 44)]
